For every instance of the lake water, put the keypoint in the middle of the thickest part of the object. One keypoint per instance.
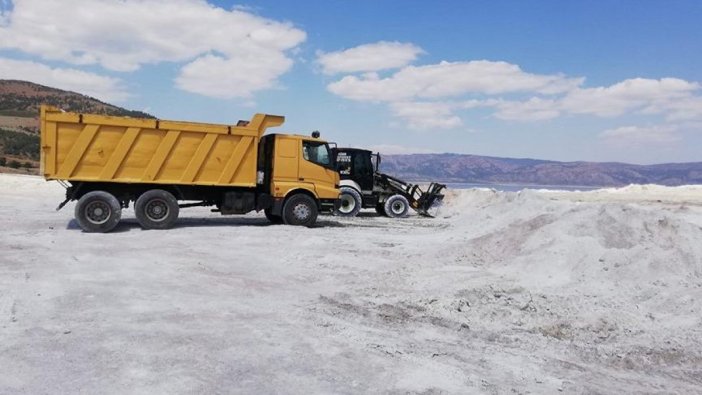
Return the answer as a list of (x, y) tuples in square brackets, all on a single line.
[(519, 187)]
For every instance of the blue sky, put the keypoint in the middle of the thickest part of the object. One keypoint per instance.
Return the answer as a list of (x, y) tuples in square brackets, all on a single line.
[(561, 80)]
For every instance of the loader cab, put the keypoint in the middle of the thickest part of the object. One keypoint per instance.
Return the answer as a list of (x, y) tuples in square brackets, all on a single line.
[(357, 165)]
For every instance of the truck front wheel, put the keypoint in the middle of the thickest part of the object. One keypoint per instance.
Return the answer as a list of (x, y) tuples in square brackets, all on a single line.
[(396, 206), (98, 211), (156, 209), (300, 209)]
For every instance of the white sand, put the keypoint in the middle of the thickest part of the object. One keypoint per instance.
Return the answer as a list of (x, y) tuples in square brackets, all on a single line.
[(535, 292)]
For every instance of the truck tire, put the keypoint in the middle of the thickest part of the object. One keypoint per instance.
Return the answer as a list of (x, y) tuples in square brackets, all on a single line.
[(350, 202), (275, 219), (156, 209), (98, 212), (300, 209), (396, 206), (380, 209)]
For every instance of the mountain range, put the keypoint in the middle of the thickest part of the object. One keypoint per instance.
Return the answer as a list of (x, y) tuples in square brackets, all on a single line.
[(459, 168), (19, 150)]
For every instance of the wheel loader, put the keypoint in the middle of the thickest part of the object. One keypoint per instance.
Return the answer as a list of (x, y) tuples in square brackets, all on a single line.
[(362, 185)]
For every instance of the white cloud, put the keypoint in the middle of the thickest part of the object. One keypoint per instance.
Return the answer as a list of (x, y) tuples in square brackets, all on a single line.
[(382, 55), (101, 87), (534, 109), (432, 96), (688, 108), (216, 76), (427, 115), (435, 115), (671, 97), (450, 79), (675, 99), (626, 96), (124, 35), (642, 135)]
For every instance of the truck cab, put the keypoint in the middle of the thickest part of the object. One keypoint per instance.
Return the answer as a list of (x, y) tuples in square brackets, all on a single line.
[(291, 164)]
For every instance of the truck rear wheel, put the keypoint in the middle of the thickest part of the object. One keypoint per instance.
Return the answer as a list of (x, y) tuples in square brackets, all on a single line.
[(98, 212), (300, 209), (349, 202), (396, 206), (156, 209)]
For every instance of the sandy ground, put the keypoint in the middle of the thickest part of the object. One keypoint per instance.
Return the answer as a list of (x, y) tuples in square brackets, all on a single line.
[(532, 292)]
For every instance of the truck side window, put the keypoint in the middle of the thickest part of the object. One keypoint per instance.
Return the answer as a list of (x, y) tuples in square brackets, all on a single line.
[(316, 153)]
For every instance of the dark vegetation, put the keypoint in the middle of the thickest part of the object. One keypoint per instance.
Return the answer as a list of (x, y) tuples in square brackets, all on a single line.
[(19, 105), (19, 144)]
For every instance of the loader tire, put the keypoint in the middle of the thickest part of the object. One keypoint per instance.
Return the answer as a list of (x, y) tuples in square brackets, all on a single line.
[(274, 219), (396, 206), (300, 209), (156, 209), (350, 202), (98, 212)]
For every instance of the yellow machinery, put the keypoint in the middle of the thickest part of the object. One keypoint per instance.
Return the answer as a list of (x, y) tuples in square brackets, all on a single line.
[(108, 162)]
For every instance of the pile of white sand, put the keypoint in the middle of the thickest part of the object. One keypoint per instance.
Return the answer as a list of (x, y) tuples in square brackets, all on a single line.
[(535, 291)]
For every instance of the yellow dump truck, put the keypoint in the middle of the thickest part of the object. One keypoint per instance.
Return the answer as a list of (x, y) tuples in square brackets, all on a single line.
[(162, 166)]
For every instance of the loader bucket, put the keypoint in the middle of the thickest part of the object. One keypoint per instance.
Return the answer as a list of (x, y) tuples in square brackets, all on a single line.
[(430, 201)]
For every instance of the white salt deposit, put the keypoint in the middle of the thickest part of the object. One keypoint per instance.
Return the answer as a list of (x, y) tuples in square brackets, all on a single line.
[(535, 291)]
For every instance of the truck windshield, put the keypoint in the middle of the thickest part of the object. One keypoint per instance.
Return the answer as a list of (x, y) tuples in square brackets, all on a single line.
[(316, 152)]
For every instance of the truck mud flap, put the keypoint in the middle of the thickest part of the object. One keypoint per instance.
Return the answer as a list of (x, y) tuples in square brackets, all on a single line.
[(264, 201)]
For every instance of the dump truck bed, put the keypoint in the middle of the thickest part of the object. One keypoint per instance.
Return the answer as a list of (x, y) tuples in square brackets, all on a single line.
[(99, 148)]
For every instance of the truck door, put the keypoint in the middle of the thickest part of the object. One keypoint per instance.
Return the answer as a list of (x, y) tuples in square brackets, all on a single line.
[(316, 167)]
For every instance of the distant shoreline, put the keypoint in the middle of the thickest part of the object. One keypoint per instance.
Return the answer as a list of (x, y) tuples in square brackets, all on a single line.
[(519, 187)]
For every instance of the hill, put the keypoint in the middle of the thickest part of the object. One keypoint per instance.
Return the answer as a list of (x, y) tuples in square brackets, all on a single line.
[(19, 119), (491, 170), (20, 101)]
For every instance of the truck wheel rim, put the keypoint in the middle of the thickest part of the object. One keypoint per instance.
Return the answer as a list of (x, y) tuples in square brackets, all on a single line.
[(301, 211), (398, 207), (348, 203), (97, 212), (156, 210)]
